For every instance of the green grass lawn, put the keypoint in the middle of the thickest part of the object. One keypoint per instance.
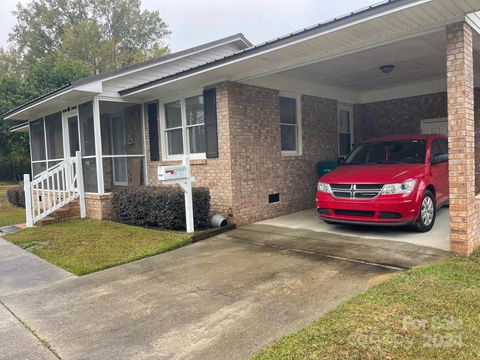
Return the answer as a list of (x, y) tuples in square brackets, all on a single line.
[(83, 246), (9, 214), (431, 312)]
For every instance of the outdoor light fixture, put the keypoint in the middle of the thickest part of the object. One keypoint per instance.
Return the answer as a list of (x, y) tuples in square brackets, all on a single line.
[(387, 69)]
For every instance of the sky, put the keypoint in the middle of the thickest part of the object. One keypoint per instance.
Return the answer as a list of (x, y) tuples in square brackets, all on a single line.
[(193, 22)]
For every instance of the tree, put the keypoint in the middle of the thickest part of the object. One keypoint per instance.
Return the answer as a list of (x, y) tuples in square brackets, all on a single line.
[(42, 77), (104, 34)]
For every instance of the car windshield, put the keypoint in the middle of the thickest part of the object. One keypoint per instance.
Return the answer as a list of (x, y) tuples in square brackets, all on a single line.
[(388, 152)]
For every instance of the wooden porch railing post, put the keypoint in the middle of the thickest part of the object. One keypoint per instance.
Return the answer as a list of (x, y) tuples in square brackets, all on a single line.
[(80, 185), (28, 200)]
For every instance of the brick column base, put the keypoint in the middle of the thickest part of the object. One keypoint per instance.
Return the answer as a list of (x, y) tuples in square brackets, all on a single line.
[(99, 207)]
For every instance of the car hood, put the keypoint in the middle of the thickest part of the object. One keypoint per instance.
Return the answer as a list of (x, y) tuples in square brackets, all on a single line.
[(373, 174)]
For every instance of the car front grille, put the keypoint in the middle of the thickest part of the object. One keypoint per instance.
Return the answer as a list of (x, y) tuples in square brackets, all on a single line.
[(356, 191), (355, 213)]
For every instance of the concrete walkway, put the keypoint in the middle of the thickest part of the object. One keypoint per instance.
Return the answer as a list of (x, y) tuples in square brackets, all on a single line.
[(21, 271)]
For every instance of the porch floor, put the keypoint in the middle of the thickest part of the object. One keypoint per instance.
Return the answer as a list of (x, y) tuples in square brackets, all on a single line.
[(438, 237)]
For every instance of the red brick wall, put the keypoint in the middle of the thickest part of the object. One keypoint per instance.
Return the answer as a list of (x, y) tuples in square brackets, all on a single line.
[(214, 174), (398, 116), (259, 169), (250, 165)]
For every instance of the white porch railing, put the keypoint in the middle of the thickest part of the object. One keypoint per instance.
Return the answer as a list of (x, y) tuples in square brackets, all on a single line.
[(53, 189)]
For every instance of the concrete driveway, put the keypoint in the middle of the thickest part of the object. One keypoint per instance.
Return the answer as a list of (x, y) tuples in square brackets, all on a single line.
[(223, 298), (438, 237)]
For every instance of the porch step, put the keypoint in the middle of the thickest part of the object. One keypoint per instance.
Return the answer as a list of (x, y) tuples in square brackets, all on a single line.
[(69, 211), (46, 221)]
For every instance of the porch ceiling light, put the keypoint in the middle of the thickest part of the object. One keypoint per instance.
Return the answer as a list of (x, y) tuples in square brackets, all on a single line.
[(387, 69)]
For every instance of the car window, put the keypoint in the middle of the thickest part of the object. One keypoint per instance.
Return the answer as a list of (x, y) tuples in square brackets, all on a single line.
[(436, 149), (444, 145), (388, 152)]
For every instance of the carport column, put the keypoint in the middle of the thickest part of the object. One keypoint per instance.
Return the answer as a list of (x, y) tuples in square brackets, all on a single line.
[(461, 138)]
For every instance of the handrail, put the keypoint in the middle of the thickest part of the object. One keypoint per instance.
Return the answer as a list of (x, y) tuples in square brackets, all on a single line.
[(52, 189), (50, 169)]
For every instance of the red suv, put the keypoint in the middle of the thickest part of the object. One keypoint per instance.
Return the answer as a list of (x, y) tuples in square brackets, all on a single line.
[(400, 180)]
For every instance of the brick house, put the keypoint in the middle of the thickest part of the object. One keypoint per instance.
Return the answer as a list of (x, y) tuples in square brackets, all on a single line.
[(255, 120)]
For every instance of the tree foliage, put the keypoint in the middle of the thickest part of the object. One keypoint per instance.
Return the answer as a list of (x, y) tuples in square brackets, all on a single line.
[(58, 41), (42, 77), (104, 34)]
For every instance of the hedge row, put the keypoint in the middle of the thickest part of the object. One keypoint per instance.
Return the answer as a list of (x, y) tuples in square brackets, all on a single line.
[(162, 207), (16, 196)]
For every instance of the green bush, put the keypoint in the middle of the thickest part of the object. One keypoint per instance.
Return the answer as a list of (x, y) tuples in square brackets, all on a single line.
[(16, 196), (162, 207)]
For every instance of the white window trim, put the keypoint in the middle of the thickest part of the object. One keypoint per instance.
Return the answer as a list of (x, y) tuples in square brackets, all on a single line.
[(298, 105), (349, 108), (184, 127)]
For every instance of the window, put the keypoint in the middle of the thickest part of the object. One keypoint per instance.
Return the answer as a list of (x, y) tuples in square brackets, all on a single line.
[(122, 144), (53, 126), (290, 126), (195, 124), (184, 128), (46, 140)]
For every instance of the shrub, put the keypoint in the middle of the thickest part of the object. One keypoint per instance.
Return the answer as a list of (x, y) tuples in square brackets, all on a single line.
[(162, 207), (16, 196)]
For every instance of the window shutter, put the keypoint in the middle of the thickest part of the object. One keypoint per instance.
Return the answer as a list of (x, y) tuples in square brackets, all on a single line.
[(152, 113), (211, 131)]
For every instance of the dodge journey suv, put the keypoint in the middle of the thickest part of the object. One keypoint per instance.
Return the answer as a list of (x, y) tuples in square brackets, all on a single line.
[(399, 180)]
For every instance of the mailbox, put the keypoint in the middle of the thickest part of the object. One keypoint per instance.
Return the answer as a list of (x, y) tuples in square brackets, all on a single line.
[(180, 174), (174, 172)]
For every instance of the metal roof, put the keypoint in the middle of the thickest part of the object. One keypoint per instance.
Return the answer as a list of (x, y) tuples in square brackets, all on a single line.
[(127, 69)]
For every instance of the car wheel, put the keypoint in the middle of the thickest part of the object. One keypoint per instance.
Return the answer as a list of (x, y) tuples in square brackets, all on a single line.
[(427, 214)]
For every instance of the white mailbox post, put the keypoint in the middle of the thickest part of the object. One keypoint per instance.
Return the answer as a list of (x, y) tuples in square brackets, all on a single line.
[(180, 174)]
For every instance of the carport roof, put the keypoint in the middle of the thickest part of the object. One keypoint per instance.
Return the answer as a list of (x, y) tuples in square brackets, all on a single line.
[(357, 30)]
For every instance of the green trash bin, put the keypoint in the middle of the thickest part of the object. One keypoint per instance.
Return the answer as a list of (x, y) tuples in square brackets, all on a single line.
[(324, 167)]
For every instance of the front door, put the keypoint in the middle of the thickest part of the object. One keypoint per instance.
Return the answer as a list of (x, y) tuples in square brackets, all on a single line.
[(119, 148), (71, 131), (345, 130)]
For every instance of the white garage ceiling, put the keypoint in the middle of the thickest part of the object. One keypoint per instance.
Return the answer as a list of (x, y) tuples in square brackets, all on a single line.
[(418, 59)]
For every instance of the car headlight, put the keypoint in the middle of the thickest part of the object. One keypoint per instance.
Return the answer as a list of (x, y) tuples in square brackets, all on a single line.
[(404, 188), (324, 188)]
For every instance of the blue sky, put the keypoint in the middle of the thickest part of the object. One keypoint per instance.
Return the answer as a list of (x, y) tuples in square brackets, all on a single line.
[(196, 22)]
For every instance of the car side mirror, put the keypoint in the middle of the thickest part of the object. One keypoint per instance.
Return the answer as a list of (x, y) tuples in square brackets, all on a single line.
[(438, 159), (340, 161)]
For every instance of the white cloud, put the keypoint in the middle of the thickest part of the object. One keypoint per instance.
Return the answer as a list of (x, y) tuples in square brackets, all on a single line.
[(194, 22)]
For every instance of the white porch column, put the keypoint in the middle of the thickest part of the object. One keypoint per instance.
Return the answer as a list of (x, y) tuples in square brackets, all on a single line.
[(98, 145)]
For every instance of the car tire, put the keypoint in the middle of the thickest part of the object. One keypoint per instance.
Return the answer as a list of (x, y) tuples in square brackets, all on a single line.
[(427, 214)]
